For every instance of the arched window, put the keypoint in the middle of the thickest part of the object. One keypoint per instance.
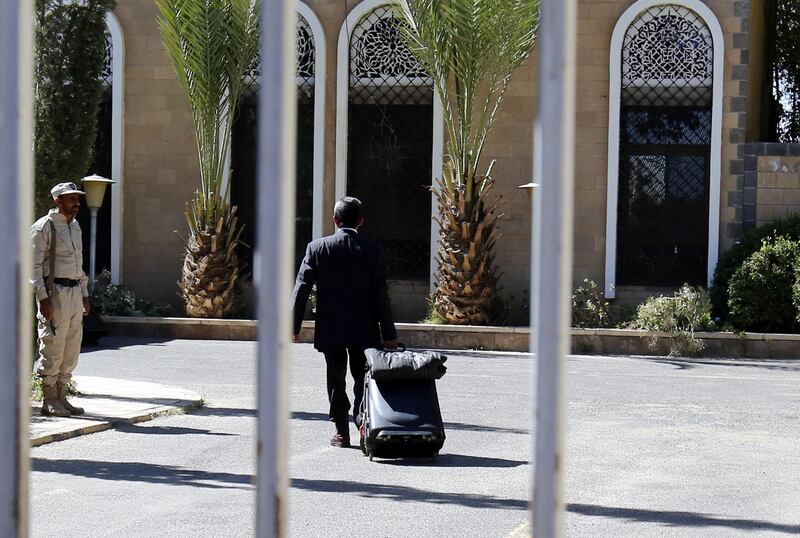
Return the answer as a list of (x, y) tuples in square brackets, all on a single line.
[(310, 77), (666, 169), (306, 88), (389, 139)]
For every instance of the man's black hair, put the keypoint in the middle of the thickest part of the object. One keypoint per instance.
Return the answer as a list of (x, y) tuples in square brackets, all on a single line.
[(348, 210)]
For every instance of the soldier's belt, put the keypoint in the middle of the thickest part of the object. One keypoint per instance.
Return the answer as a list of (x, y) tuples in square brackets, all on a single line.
[(66, 282)]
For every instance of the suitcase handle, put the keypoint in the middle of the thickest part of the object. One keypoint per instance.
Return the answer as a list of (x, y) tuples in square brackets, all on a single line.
[(400, 347)]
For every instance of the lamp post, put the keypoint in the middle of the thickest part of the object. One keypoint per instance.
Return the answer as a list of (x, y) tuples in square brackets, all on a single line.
[(95, 187)]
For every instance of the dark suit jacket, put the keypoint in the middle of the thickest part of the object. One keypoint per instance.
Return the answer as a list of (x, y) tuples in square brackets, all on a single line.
[(352, 297)]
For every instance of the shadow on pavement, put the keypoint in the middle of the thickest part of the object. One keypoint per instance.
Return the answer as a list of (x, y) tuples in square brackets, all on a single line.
[(305, 415), (143, 472), (224, 412), (481, 428), (454, 460), (167, 430), (682, 519), (688, 364), (478, 354), (405, 494), (239, 412), (119, 342)]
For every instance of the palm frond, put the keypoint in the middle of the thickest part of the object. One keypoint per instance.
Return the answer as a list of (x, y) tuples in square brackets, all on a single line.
[(211, 44), (470, 48)]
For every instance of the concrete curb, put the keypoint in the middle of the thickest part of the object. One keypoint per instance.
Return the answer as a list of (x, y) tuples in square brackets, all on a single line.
[(584, 341), (121, 402)]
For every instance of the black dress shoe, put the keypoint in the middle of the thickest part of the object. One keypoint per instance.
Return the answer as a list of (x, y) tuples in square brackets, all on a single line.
[(341, 441)]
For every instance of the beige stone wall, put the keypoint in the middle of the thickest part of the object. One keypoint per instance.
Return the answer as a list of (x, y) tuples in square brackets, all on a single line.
[(755, 77), (161, 169), (331, 16), (596, 22), (778, 187), (160, 161), (510, 144), (409, 299)]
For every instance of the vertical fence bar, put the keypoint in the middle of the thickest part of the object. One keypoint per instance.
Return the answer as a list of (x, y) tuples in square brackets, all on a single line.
[(274, 256), (16, 179), (553, 258)]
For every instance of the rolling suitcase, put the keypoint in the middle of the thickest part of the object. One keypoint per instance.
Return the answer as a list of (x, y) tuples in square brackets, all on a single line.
[(400, 414)]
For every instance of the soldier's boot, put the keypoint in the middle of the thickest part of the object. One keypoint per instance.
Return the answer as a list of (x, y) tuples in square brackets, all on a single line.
[(62, 399), (51, 406)]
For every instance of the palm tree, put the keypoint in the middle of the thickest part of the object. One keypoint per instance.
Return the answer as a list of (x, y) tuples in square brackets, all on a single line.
[(470, 48), (211, 44)]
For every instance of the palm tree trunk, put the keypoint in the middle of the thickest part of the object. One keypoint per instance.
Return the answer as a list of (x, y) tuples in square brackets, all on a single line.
[(466, 275)]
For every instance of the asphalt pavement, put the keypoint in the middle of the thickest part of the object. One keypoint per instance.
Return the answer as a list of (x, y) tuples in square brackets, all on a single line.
[(655, 448)]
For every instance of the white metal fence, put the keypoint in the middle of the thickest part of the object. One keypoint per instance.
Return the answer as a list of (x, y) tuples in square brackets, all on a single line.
[(551, 259)]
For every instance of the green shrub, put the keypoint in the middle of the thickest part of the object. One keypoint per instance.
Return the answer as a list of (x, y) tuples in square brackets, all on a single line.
[(110, 300), (36, 388), (730, 260), (432, 317), (69, 60), (589, 307), (760, 290), (683, 314), (796, 293)]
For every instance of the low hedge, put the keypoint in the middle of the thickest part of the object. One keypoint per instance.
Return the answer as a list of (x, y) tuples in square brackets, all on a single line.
[(730, 260), (761, 290)]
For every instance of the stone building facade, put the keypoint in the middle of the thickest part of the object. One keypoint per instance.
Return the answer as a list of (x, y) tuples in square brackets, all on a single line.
[(719, 41)]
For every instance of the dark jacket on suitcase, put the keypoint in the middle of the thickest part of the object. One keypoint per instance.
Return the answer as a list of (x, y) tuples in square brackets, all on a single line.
[(405, 365), (352, 297)]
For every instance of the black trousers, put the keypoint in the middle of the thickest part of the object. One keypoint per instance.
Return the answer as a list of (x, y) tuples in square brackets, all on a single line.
[(336, 360)]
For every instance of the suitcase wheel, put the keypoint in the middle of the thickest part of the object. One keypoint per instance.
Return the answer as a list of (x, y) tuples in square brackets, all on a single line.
[(370, 454)]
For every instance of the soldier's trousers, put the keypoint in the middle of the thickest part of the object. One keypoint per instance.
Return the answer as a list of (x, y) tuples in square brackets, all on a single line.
[(60, 338)]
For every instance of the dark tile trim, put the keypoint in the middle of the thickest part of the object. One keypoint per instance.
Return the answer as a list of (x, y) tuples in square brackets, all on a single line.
[(752, 151)]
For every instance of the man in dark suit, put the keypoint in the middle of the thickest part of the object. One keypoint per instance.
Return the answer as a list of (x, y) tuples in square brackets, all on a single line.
[(352, 301)]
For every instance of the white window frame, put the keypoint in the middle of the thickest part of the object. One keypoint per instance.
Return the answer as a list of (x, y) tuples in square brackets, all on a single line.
[(614, 101), (117, 142), (342, 92), (319, 116)]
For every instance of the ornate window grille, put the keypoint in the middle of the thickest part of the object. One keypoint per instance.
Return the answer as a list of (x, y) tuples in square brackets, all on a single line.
[(390, 135), (306, 57), (665, 137), (245, 141), (107, 72)]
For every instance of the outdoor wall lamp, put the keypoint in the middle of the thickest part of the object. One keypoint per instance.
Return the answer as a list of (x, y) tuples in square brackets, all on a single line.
[(529, 189), (95, 187)]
